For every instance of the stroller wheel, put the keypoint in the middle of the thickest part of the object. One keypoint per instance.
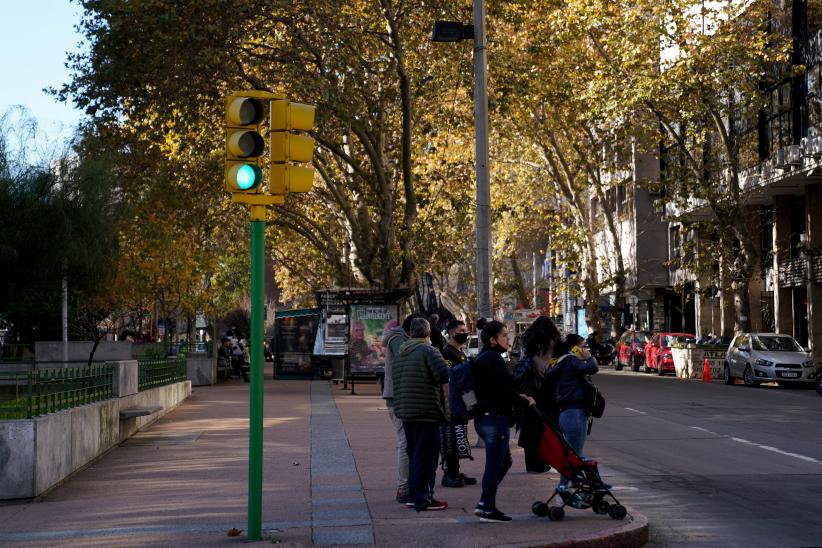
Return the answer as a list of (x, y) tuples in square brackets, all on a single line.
[(617, 511), (601, 507), (539, 509), (556, 513)]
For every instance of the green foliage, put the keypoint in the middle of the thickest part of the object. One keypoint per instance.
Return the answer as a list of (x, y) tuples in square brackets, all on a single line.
[(58, 221)]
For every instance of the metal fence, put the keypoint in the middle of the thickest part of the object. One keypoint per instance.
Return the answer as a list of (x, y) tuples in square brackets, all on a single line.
[(153, 373), (27, 394)]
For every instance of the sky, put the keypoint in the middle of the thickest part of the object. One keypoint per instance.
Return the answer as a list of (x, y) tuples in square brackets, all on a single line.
[(35, 36)]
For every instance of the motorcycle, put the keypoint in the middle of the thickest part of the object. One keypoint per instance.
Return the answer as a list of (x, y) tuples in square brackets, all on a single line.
[(604, 352)]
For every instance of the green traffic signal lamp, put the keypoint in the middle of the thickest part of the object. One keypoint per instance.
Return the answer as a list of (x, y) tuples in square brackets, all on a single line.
[(243, 177)]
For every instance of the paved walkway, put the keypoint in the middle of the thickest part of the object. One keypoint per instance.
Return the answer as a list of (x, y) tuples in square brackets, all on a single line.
[(329, 479)]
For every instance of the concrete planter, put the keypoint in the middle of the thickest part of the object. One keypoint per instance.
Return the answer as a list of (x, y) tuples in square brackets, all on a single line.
[(37, 454)]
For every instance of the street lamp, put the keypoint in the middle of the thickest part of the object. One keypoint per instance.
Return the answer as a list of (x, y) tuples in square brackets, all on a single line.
[(450, 31)]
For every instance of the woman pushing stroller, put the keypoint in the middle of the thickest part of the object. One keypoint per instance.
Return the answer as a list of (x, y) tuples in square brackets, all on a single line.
[(573, 363)]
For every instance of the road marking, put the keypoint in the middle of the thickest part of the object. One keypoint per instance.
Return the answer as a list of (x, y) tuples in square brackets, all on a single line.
[(636, 411), (776, 450), (765, 447)]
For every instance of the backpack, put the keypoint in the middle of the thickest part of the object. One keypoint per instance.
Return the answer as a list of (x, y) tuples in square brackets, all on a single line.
[(462, 401)]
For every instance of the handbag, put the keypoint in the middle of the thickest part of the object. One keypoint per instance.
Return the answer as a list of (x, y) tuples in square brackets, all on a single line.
[(594, 401)]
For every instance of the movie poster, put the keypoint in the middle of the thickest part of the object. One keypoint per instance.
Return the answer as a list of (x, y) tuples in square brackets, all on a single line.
[(366, 326)]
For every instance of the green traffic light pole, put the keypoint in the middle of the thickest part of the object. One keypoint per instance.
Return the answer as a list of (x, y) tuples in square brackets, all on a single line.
[(255, 425)]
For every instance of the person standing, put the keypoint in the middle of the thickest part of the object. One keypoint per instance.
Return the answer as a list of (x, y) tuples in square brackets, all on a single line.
[(574, 362), (418, 373), (539, 342), (392, 339), (453, 354), (494, 387)]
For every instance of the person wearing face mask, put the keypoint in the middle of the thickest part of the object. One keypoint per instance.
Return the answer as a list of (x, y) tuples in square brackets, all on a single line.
[(497, 397), (453, 354), (539, 342)]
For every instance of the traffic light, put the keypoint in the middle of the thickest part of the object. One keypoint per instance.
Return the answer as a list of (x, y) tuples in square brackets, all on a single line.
[(288, 147), (244, 143)]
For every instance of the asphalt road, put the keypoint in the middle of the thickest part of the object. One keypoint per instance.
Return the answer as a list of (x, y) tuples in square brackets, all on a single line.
[(713, 465)]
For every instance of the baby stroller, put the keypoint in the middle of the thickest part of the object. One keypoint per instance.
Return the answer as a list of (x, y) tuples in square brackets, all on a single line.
[(586, 487)]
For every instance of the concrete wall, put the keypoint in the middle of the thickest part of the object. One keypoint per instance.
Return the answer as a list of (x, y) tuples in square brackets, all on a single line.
[(201, 369), (16, 459), (78, 351), (37, 454)]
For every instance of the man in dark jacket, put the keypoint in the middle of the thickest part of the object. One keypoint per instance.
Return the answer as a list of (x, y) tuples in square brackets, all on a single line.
[(453, 354), (419, 373)]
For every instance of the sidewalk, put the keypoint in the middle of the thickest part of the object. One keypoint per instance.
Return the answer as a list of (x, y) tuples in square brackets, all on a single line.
[(329, 478)]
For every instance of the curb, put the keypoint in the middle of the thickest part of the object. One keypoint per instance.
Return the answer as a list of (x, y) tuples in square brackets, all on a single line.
[(633, 532)]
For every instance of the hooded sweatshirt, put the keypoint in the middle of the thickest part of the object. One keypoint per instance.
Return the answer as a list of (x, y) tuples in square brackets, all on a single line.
[(392, 341), (419, 372)]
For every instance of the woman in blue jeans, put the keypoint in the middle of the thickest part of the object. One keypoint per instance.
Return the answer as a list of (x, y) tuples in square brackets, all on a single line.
[(574, 363), (494, 388)]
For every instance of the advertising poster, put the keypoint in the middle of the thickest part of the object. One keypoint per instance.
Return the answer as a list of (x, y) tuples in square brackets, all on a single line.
[(366, 326), (295, 343)]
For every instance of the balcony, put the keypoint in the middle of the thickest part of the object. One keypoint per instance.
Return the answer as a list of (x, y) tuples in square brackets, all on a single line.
[(793, 272)]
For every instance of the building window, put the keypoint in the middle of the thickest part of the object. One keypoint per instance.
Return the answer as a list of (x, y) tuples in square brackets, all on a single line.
[(779, 118), (676, 244), (813, 78), (797, 225)]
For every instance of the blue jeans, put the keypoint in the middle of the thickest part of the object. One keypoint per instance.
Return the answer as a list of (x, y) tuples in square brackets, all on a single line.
[(574, 425), (495, 431)]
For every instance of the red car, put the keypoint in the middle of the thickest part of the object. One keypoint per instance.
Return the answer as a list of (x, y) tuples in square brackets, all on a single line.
[(658, 356), (631, 349)]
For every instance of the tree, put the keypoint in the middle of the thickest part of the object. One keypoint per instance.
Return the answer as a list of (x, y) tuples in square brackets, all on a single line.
[(705, 86), (59, 223), (154, 78)]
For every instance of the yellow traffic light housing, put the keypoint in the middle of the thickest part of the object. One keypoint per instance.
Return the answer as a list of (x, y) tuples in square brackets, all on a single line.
[(287, 147), (244, 143)]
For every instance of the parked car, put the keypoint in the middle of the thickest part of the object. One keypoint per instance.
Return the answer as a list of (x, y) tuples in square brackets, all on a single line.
[(473, 347), (658, 354), (630, 349), (767, 357)]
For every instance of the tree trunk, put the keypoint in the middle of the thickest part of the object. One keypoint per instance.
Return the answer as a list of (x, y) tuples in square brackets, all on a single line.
[(519, 285)]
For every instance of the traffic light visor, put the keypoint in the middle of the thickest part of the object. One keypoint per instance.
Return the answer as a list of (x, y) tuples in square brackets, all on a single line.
[(287, 147), (288, 116), (245, 144), (245, 111)]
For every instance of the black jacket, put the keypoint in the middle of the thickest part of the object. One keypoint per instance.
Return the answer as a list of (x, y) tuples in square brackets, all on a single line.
[(530, 424), (452, 355), (567, 377), (494, 384)]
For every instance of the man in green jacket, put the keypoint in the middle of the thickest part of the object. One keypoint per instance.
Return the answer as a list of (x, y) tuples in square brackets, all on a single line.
[(419, 372)]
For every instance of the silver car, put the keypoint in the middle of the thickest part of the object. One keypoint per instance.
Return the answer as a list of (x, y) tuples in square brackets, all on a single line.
[(768, 357)]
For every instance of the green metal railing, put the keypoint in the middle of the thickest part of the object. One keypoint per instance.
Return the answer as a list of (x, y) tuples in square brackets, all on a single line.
[(27, 394), (153, 373)]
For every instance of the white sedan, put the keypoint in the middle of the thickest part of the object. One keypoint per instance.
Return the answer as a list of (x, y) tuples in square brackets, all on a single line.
[(768, 357)]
